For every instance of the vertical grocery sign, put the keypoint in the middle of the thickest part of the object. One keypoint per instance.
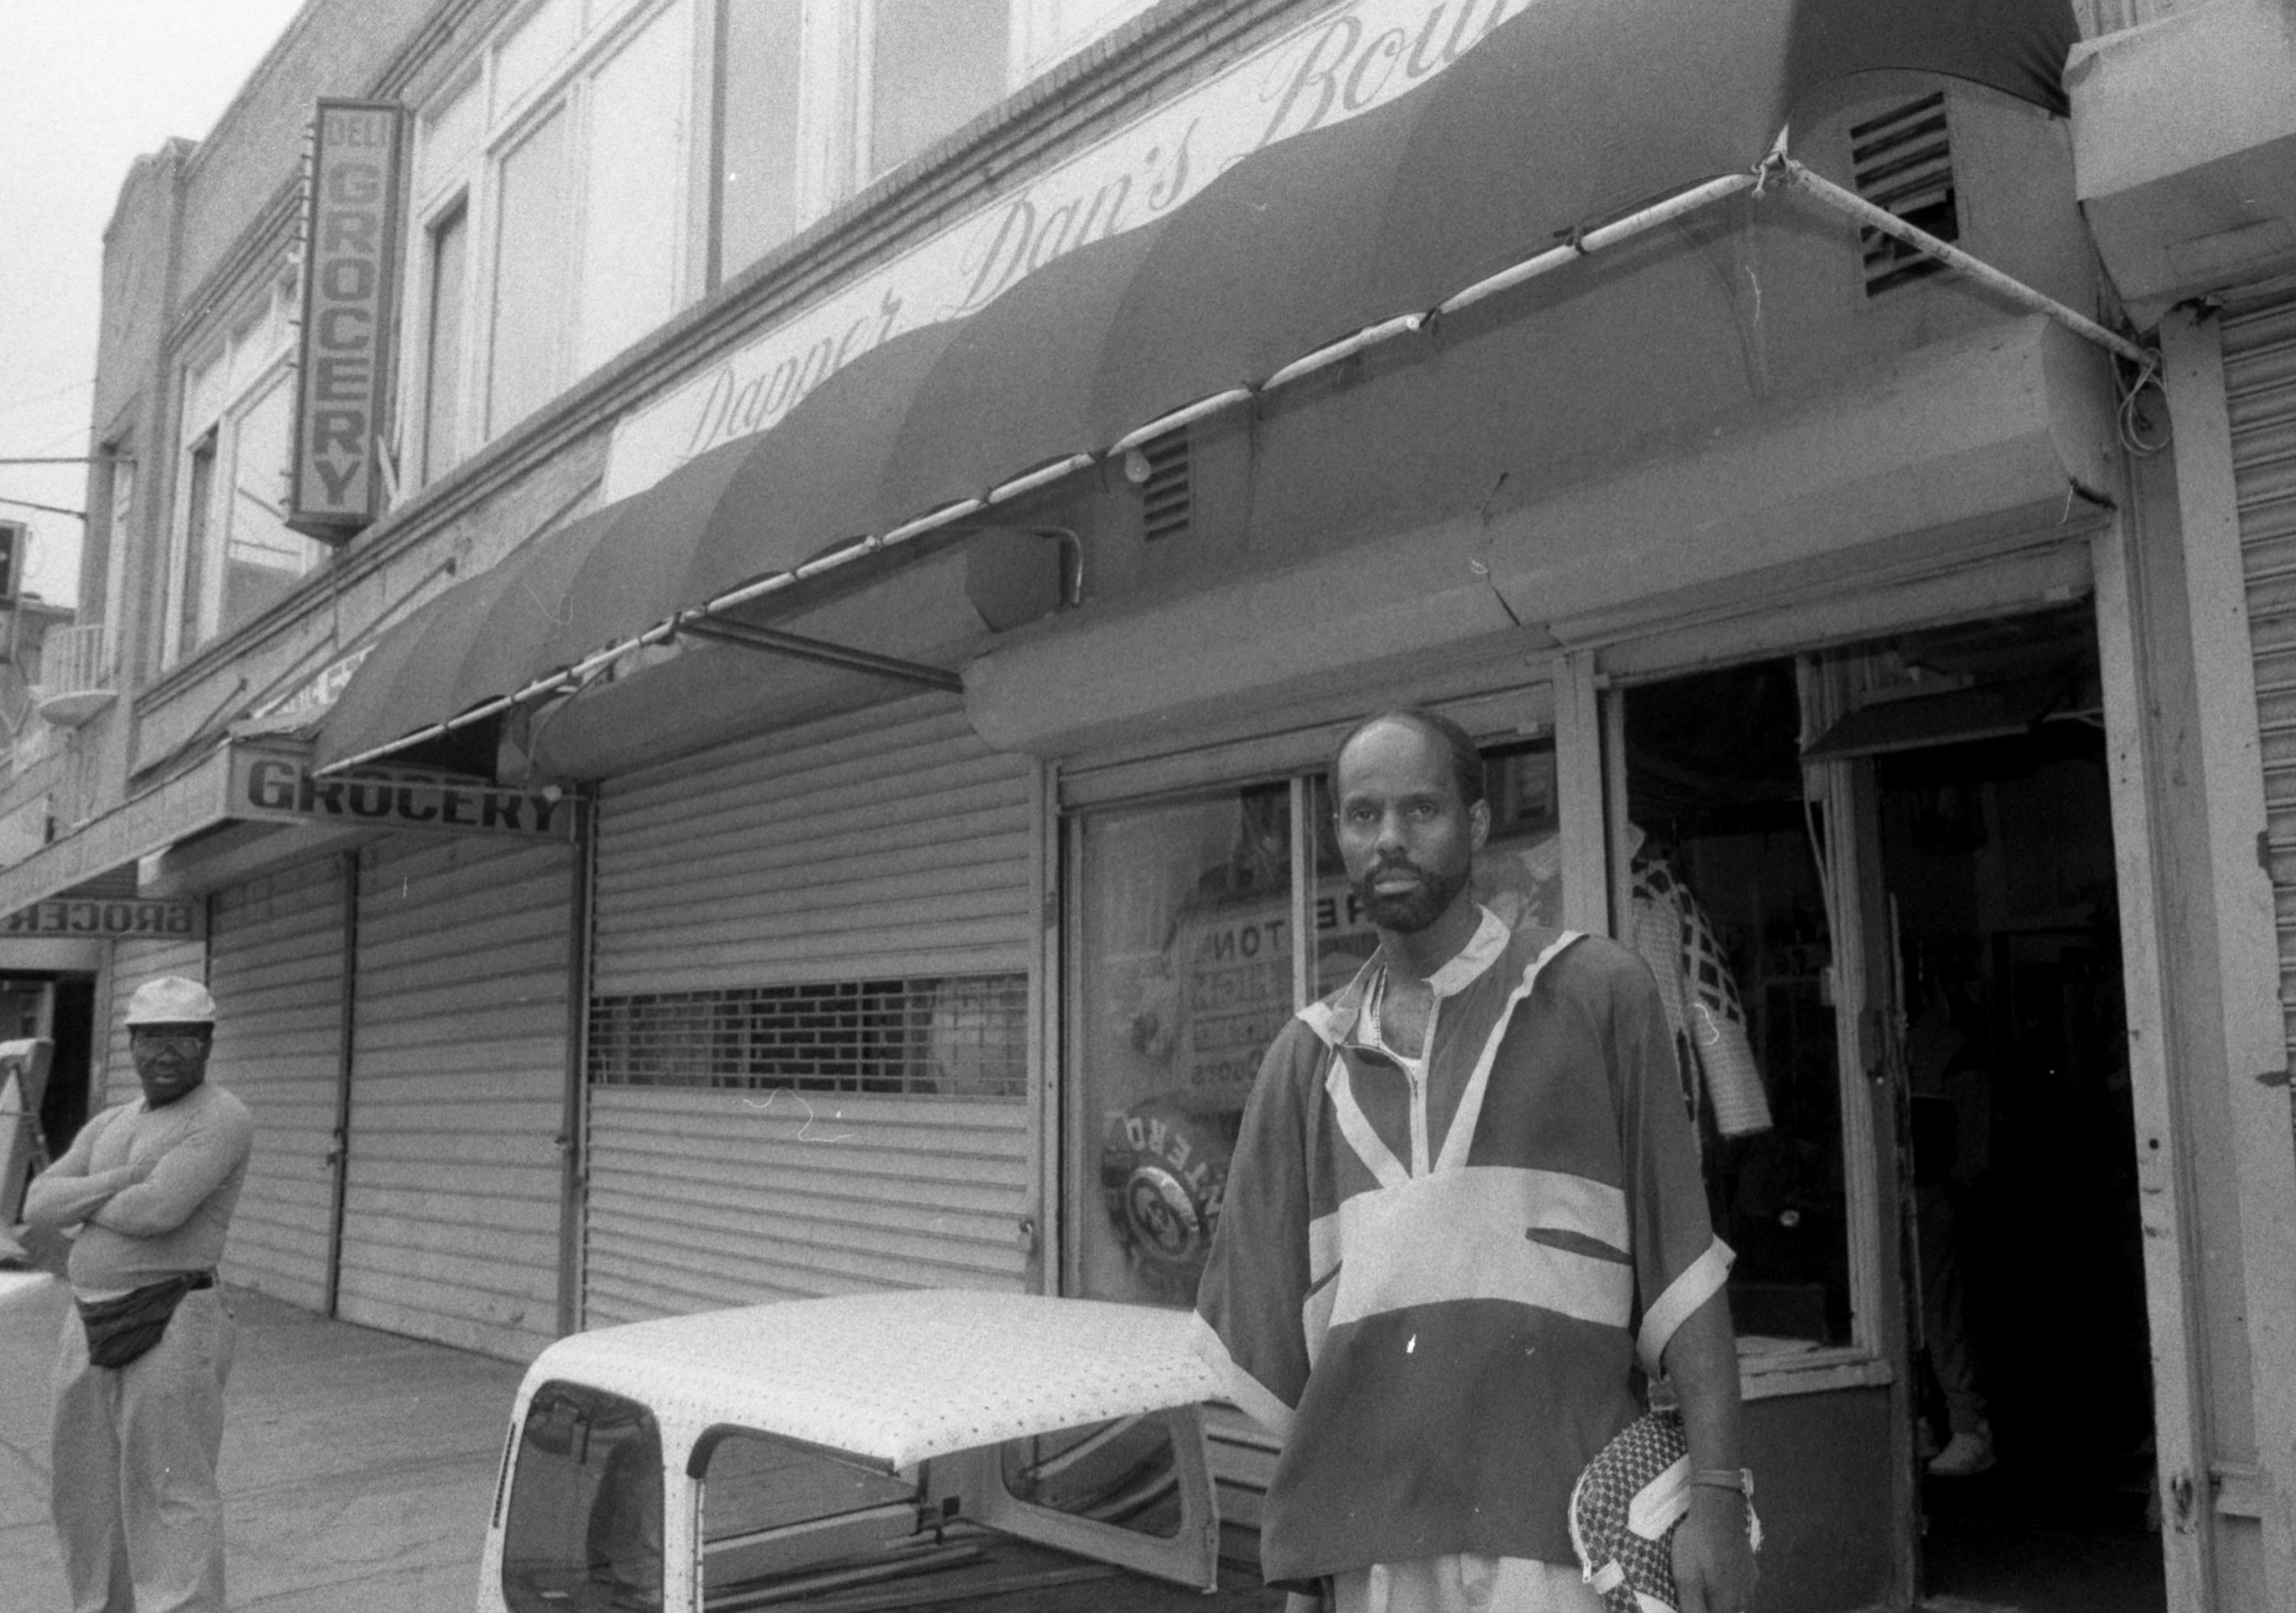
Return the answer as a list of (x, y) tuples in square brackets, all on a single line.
[(349, 226)]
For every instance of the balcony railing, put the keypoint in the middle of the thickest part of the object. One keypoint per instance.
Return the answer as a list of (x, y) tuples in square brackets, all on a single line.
[(76, 676)]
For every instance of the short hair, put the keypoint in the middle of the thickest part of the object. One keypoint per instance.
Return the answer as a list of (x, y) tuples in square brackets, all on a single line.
[(1456, 743)]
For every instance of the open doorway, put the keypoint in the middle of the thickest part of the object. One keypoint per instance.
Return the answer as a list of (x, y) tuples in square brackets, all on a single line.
[(2026, 1314), (61, 1007)]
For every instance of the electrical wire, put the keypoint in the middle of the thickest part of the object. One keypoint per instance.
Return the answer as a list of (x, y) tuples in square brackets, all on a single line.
[(2132, 430)]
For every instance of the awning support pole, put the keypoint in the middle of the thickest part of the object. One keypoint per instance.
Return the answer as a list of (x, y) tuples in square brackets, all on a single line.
[(773, 641), (1790, 171)]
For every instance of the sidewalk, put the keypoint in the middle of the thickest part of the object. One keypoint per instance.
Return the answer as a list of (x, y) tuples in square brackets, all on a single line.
[(357, 1466)]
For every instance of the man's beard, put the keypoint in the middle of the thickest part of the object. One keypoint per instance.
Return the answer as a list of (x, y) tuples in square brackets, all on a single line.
[(1406, 912)]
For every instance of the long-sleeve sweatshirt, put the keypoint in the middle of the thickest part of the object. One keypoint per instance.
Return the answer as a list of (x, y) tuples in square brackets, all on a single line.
[(151, 1189)]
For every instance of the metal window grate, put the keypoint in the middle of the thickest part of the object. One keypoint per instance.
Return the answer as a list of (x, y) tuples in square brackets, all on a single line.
[(1166, 503), (961, 1035), (1903, 161)]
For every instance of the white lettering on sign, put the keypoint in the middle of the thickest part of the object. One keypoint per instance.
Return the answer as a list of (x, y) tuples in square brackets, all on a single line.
[(283, 788), (348, 217), (1340, 65)]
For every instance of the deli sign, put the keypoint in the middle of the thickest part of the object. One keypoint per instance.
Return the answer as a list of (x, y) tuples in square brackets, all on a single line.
[(350, 218), (274, 788)]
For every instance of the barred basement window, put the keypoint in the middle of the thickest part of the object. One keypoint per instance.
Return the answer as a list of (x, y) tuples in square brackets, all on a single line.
[(961, 1035), (1903, 161)]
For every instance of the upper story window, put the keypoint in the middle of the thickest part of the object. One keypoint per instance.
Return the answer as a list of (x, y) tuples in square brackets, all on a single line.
[(550, 202), (822, 97), (232, 555), (602, 163)]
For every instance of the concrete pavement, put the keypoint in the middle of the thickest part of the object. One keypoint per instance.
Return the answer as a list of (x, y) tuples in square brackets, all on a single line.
[(357, 1466)]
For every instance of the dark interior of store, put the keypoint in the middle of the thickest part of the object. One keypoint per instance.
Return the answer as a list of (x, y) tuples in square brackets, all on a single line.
[(1997, 853), (1988, 766)]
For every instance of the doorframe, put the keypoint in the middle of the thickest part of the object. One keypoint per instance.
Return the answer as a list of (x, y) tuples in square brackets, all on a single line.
[(2164, 1185)]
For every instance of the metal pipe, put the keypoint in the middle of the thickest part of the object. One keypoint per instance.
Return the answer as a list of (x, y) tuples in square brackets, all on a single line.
[(573, 1110), (339, 1157), (1177, 418), (939, 518), (1044, 478), (1603, 235), (1881, 218), (773, 641), (1347, 347)]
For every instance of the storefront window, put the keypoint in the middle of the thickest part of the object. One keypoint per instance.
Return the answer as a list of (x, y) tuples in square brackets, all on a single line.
[(1183, 972), (1185, 946), (1185, 969), (1727, 906)]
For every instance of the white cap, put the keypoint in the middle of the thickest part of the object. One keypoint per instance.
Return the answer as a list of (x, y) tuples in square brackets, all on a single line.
[(170, 1000)]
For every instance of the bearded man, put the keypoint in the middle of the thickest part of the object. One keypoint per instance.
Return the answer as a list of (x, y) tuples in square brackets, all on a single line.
[(1464, 1223)]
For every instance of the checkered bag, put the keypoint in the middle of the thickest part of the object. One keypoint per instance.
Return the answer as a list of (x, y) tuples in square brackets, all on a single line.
[(1624, 1509)]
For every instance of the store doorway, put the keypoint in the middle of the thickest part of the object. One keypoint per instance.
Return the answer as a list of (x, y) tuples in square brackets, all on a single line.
[(2026, 1306)]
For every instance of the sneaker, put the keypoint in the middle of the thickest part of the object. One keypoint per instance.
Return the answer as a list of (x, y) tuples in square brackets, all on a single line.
[(1965, 1455)]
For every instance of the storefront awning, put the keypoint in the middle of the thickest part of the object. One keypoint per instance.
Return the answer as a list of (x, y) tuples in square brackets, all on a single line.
[(1574, 124), (195, 799)]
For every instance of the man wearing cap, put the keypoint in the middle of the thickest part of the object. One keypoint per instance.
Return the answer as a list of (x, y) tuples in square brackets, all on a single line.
[(139, 1378)]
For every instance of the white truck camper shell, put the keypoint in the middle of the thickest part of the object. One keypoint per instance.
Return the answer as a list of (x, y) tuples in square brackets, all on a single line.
[(746, 1457)]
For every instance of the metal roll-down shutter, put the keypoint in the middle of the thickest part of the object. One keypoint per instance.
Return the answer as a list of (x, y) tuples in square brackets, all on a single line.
[(458, 1069), (807, 1047), (275, 965), (2260, 369)]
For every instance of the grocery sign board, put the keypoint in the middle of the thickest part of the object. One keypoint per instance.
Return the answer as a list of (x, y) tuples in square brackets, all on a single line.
[(108, 918), (279, 788), (349, 222)]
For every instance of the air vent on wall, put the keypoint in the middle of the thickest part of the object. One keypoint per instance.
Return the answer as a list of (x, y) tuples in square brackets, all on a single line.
[(1903, 161), (1166, 501)]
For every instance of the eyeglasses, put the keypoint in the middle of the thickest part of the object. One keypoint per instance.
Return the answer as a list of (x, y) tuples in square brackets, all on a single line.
[(182, 1042)]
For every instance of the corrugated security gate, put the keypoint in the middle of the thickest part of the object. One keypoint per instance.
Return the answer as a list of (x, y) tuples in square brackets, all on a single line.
[(809, 1042), (132, 962), (458, 1075), (275, 965), (2259, 368)]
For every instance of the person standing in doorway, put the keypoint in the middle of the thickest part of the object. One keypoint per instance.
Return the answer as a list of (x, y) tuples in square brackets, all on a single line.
[(140, 1372), (1465, 1218), (1952, 1128)]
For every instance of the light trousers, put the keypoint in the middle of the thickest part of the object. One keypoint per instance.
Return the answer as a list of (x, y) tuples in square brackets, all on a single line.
[(1459, 1583), (134, 1458)]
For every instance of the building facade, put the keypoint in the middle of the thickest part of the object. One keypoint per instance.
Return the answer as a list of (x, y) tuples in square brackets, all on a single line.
[(805, 770)]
